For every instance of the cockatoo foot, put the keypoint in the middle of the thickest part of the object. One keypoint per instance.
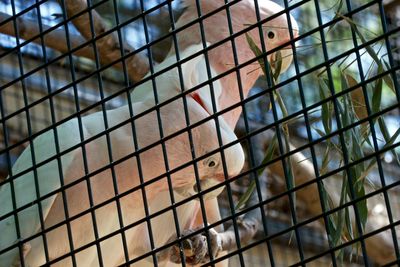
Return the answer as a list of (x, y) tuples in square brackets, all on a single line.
[(195, 249)]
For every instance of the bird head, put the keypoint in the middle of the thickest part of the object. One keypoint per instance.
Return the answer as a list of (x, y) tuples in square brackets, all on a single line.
[(219, 164), (276, 32), (242, 14)]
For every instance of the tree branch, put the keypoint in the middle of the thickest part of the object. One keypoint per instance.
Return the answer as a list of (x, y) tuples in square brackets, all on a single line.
[(55, 39), (108, 47)]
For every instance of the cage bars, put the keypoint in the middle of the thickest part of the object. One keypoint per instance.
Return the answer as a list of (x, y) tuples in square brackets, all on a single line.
[(81, 136), (308, 71), (319, 182), (274, 124), (397, 91), (216, 120), (378, 191), (281, 146), (29, 126), (109, 149), (190, 135), (135, 141), (244, 111), (296, 225), (383, 111), (161, 132), (57, 146), (373, 132)]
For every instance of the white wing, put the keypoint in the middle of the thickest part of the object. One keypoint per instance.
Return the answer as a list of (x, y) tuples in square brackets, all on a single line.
[(25, 190)]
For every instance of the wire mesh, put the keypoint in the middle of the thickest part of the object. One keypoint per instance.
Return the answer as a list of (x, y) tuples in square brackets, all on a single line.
[(92, 158)]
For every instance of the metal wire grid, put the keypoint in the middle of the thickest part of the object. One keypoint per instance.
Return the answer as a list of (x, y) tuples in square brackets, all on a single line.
[(278, 121)]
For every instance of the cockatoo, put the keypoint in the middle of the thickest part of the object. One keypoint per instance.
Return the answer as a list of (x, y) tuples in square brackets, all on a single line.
[(276, 33), (94, 158), (237, 84)]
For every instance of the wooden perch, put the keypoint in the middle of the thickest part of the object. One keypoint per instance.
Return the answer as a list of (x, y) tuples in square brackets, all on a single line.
[(55, 39), (108, 47)]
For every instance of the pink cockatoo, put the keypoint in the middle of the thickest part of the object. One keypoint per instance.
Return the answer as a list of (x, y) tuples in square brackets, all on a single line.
[(237, 84), (93, 159), (216, 28)]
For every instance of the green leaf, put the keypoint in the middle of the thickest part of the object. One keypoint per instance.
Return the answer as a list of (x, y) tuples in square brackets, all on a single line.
[(267, 158), (367, 170), (362, 207), (277, 65), (357, 152), (357, 97), (325, 161), (389, 140), (369, 49), (246, 196), (290, 178), (345, 114), (349, 224), (387, 78), (257, 52), (331, 228), (326, 109), (340, 220), (365, 131), (336, 15), (331, 222), (359, 191), (339, 229), (377, 94), (393, 138), (319, 132), (384, 130), (281, 104)]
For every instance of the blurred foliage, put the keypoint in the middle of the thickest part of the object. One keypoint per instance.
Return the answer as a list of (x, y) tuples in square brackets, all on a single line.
[(345, 102)]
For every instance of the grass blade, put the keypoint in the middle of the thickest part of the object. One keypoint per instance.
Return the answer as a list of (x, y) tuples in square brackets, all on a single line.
[(257, 52)]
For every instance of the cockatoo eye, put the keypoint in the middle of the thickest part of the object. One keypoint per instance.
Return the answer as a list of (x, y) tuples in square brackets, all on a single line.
[(271, 34), (210, 162)]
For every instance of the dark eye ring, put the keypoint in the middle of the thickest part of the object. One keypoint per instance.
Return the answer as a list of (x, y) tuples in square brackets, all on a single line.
[(271, 35), (211, 163)]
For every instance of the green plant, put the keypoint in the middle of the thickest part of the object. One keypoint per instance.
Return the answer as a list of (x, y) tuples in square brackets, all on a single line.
[(350, 105)]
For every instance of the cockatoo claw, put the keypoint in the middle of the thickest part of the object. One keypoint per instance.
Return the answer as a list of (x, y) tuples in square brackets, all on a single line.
[(195, 249)]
